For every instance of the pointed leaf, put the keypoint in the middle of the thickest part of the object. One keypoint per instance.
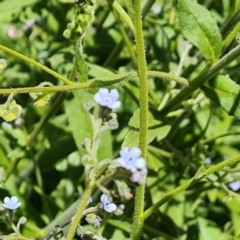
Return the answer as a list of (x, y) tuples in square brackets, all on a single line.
[(155, 129), (81, 65), (200, 28), (115, 81), (225, 93), (200, 173), (132, 137)]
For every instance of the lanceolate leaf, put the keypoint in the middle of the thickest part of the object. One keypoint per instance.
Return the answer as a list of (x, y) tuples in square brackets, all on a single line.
[(225, 93), (116, 81), (81, 65), (200, 28)]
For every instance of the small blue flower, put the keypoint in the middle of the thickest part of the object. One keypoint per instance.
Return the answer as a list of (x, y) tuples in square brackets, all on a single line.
[(106, 98), (130, 159), (108, 207), (11, 203), (235, 186)]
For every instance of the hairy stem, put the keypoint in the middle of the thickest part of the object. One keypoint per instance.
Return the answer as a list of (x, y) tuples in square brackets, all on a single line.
[(200, 80), (143, 85), (36, 64)]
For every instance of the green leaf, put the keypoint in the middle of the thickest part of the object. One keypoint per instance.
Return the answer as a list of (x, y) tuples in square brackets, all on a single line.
[(155, 130), (208, 230), (81, 65), (79, 118), (97, 71), (81, 126), (225, 93), (115, 81), (200, 173), (8, 8), (200, 28), (134, 121)]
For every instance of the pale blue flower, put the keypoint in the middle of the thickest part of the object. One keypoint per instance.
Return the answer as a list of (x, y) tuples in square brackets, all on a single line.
[(11, 203), (130, 159), (107, 205), (235, 186), (106, 98), (207, 160)]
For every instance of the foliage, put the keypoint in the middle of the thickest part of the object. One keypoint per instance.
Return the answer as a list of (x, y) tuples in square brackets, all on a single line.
[(176, 68)]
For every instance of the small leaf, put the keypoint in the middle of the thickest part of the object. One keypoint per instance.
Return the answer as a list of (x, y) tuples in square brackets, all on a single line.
[(134, 121), (154, 130), (162, 132), (200, 173), (200, 28), (132, 137), (81, 65), (115, 81), (225, 93)]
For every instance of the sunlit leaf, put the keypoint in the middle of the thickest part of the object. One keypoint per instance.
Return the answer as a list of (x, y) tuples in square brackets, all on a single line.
[(200, 28), (225, 93)]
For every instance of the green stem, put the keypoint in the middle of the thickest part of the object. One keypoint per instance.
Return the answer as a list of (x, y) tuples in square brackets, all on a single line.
[(201, 79), (118, 8), (77, 86), (188, 184), (36, 64), (82, 205), (44, 120), (143, 86), (57, 103)]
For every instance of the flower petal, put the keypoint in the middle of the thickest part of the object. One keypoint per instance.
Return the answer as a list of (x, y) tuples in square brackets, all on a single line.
[(6, 200), (114, 94), (115, 105), (124, 152), (135, 152), (140, 163), (103, 92), (105, 199), (111, 207)]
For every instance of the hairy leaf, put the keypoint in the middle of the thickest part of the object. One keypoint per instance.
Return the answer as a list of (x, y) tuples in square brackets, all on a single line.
[(200, 28), (116, 81), (81, 65)]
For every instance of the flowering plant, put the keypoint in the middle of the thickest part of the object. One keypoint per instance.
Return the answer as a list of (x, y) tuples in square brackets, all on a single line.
[(119, 119)]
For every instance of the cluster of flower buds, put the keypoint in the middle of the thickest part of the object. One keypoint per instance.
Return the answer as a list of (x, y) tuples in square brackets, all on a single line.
[(84, 17)]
